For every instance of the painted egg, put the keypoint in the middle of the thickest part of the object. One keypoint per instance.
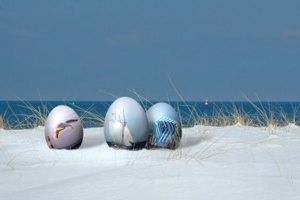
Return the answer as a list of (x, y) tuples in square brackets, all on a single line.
[(126, 124), (63, 128), (164, 126)]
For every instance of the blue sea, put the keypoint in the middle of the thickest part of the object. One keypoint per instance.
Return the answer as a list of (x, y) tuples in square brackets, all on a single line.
[(93, 113)]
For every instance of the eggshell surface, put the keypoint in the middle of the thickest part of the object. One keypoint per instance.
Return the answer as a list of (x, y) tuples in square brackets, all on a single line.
[(126, 124), (63, 128)]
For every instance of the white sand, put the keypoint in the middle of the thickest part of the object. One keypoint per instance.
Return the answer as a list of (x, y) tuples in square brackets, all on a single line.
[(233, 162)]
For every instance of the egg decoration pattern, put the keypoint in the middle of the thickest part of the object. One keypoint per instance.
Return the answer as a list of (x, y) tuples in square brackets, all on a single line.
[(63, 128), (164, 126), (126, 124)]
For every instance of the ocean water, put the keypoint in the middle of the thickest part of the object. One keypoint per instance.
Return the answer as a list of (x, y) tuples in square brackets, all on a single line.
[(18, 114)]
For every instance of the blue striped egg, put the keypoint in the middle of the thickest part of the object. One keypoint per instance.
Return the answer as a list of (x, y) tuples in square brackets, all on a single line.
[(164, 126)]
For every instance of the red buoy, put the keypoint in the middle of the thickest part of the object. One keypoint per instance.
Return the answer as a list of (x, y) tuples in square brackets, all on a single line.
[(206, 103)]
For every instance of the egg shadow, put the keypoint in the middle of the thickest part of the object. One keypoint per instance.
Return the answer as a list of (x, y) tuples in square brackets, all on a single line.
[(92, 140), (190, 141)]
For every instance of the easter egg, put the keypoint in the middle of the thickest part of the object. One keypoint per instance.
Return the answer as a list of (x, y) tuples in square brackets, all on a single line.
[(63, 128), (164, 126), (126, 124)]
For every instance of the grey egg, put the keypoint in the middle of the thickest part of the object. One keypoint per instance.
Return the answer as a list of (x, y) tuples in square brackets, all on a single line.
[(63, 128), (126, 124)]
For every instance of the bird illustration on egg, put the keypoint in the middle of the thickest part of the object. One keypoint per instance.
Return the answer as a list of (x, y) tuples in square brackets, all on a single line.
[(64, 125), (63, 128)]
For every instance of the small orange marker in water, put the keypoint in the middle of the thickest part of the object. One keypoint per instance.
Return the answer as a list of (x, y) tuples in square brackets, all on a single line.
[(206, 103)]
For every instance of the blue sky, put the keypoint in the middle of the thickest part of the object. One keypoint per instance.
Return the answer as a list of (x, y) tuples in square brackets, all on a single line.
[(216, 50)]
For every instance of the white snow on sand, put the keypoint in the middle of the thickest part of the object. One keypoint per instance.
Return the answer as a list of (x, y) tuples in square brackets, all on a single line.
[(233, 162)]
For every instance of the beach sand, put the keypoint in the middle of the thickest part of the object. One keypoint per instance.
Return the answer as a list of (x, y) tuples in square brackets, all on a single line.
[(232, 162)]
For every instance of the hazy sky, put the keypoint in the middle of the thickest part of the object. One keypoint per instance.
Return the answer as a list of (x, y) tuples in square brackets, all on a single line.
[(215, 50)]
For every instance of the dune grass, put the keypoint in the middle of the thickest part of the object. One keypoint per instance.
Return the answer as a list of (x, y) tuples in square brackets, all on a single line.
[(2, 122), (37, 115), (265, 115), (90, 117)]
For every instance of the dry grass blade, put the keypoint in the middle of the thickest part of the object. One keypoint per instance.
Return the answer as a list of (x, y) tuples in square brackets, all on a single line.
[(141, 99), (90, 117), (2, 122), (38, 115), (109, 94), (182, 99)]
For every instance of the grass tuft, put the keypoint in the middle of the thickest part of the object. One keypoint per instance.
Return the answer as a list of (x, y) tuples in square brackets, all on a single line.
[(2, 122), (261, 114)]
